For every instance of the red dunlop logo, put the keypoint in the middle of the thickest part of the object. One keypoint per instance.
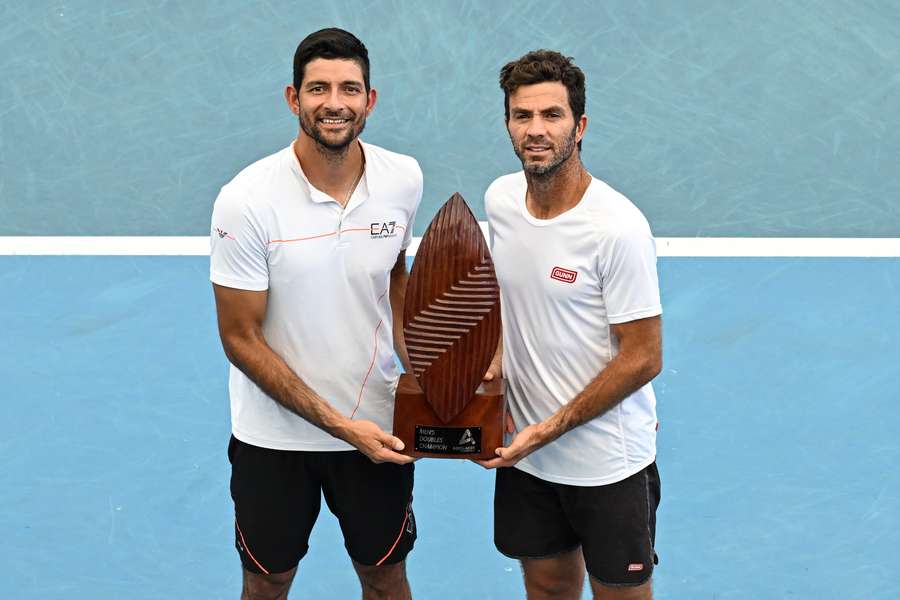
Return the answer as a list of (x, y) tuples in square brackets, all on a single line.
[(565, 275)]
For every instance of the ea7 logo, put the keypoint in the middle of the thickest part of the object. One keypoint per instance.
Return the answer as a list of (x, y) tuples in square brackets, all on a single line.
[(564, 275), (383, 230)]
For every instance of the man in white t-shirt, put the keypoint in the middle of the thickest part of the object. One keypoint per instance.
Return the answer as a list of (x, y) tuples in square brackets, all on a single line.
[(309, 271), (577, 485)]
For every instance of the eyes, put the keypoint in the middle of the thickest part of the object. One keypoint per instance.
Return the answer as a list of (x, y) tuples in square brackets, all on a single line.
[(548, 115), (349, 89)]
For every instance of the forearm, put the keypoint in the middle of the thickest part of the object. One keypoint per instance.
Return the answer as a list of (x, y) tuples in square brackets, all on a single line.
[(623, 376), (256, 359)]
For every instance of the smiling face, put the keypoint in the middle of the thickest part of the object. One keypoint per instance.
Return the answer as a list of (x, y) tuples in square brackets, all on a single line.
[(332, 102), (542, 128)]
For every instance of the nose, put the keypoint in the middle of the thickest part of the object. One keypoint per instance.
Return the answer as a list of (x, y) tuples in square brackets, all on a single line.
[(333, 101), (536, 127)]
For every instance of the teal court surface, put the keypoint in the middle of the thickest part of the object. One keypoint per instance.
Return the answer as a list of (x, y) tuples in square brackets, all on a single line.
[(778, 442), (736, 127)]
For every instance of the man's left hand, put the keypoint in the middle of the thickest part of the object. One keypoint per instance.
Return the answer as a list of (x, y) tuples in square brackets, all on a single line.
[(526, 441)]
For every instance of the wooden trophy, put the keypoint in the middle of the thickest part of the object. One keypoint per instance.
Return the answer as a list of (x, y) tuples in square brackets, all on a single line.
[(451, 324)]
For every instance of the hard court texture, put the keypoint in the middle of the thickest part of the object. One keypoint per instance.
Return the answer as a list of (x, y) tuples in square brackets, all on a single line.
[(777, 447)]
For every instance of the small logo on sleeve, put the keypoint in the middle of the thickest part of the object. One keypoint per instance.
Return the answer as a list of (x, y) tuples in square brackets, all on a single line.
[(224, 234), (383, 230), (564, 275), (634, 567)]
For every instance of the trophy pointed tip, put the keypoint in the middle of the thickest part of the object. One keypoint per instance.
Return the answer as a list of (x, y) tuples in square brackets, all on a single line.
[(456, 199)]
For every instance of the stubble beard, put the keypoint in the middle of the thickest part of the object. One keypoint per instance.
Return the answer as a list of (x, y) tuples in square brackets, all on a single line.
[(332, 150), (548, 170)]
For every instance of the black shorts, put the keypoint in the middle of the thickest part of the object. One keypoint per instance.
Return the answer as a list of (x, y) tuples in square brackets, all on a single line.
[(277, 495), (614, 524)]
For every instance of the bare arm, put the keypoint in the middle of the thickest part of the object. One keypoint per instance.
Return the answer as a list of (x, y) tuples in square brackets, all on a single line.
[(639, 360), (399, 277), (240, 314), (495, 371)]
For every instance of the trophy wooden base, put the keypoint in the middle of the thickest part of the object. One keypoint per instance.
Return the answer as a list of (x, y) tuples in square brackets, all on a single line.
[(476, 432)]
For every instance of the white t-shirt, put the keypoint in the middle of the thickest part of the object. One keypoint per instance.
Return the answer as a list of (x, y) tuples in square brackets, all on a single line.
[(327, 272), (563, 282)]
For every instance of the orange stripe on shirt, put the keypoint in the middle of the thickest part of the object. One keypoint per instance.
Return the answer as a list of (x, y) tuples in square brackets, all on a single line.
[(372, 364), (321, 235), (312, 237)]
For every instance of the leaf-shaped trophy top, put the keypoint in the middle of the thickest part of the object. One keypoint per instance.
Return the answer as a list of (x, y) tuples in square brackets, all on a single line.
[(452, 314)]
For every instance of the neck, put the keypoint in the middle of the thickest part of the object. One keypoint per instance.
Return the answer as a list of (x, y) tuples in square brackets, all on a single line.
[(328, 171), (555, 193)]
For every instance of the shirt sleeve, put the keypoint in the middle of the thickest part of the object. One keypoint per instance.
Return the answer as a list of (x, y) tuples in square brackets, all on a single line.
[(238, 244), (408, 233), (629, 278)]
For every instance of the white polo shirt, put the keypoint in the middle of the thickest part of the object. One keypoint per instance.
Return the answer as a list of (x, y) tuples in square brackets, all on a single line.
[(327, 272), (563, 282)]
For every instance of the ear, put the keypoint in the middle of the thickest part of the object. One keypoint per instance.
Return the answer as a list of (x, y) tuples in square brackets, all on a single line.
[(370, 105), (579, 129), (293, 99)]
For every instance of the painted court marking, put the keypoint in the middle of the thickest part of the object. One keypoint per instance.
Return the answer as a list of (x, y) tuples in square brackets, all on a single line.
[(665, 246)]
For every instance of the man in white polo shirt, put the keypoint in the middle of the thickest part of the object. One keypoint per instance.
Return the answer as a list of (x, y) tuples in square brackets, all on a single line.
[(309, 271), (576, 263)]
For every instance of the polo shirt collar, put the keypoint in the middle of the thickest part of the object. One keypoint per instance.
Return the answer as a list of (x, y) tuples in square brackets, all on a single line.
[(321, 197)]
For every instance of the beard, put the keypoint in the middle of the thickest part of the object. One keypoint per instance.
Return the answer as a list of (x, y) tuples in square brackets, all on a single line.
[(331, 144), (560, 153)]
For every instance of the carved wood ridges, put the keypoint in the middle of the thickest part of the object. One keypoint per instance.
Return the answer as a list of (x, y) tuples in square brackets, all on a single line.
[(452, 313)]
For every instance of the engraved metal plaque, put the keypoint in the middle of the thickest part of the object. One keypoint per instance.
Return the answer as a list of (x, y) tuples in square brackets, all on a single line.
[(448, 440)]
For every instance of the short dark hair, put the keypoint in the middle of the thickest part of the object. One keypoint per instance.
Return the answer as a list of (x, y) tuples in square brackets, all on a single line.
[(330, 43), (539, 66)]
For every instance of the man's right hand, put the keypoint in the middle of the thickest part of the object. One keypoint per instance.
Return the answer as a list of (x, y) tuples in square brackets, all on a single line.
[(374, 442), (494, 371)]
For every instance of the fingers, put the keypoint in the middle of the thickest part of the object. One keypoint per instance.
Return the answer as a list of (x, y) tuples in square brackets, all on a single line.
[(505, 458), (390, 450), (491, 463), (493, 372), (510, 424), (509, 456), (386, 455), (378, 445), (392, 442)]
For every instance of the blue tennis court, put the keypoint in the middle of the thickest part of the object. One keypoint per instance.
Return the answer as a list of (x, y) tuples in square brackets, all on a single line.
[(777, 445), (740, 129)]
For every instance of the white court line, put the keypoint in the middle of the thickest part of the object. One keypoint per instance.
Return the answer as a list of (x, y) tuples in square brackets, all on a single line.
[(686, 247), (783, 247), (105, 246)]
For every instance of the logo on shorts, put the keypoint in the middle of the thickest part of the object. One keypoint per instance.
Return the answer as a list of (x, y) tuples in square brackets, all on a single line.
[(410, 519), (564, 275), (382, 230), (635, 567), (467, 439)]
